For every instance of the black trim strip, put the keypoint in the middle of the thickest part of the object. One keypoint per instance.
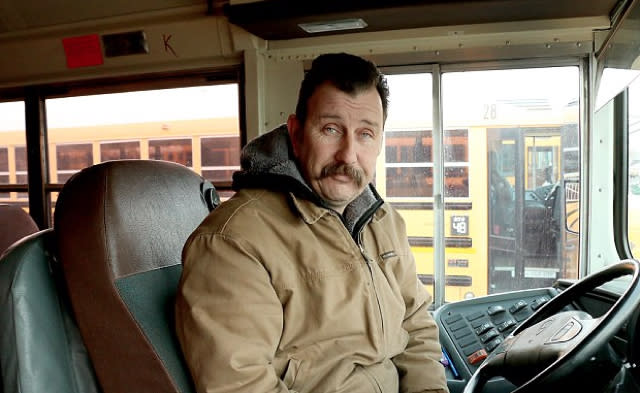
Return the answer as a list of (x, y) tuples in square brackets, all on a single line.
[(451, 280), (454, 242), (429, 205), (621, 173), (37, 157)]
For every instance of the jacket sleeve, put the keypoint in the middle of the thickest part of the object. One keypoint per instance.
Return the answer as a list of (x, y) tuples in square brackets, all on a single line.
[(419, 365), (228, 318)]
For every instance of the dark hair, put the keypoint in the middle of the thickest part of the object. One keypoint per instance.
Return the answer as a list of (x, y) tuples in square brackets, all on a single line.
[(350, 74)]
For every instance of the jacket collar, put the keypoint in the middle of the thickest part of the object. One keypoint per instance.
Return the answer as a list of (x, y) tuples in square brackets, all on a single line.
[(310, 212), (268, 162)]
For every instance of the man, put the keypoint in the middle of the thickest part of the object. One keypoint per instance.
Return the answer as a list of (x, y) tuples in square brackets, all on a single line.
[(304, 280)]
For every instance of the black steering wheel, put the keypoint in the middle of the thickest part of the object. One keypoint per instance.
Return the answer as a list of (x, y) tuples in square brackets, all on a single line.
[(556, 350)]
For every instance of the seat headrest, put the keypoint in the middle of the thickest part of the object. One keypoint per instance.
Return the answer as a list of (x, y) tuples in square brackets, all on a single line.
[(137, 214), (16, 224)]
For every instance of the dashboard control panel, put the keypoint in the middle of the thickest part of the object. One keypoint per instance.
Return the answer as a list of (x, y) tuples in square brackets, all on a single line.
[(473, 328)]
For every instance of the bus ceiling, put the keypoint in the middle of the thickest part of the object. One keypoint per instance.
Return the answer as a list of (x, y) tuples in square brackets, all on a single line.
[(280, 19), (287, 19)]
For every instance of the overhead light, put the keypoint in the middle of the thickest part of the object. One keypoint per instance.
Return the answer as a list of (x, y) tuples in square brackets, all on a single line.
[(333, 25)]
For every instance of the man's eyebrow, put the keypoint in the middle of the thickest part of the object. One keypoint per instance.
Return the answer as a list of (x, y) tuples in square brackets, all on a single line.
[(371, 123), (327, 116)]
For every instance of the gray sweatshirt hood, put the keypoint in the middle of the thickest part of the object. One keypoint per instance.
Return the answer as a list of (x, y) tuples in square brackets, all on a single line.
[(268, 162)]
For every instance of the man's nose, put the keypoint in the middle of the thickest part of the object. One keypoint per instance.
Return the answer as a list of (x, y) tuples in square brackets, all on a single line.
[(346, 150)]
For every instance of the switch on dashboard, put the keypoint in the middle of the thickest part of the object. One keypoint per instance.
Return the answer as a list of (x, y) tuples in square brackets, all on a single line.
[(483, 328), (477, 357), (494, 310), (519, 305)]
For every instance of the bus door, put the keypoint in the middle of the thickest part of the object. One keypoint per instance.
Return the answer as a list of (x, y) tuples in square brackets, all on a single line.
[(504, 236), (524, 207)]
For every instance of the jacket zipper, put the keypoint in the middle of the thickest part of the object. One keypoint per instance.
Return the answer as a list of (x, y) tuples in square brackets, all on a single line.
[(369, 262), (358, 240)]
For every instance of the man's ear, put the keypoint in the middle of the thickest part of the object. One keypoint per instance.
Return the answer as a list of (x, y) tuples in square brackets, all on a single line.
[(295, 128)]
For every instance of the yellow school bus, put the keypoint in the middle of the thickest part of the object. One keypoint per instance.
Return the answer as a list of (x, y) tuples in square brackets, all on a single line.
[(500, 169)]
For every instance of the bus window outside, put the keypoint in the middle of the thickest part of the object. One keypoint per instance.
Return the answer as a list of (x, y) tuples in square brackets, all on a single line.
[(404, 175), (633, 206), (180, 125), (522, 124), (13, 158), (510, 140)]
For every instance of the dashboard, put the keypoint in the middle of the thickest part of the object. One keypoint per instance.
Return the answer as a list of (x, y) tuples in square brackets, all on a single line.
[(471, 329)]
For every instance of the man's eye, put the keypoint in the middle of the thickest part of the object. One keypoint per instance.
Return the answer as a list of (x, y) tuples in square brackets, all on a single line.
[(368, 134), (330, 130)]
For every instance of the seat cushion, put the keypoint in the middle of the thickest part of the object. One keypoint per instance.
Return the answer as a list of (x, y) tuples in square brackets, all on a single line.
[(40, 347)]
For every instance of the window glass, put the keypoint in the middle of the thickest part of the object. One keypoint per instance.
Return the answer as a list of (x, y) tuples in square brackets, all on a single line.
[(4, 170), (71, 158), (515, 143), (20, 153), (12, 153), (404, 175), (165, 124), (633, 206), (119, 150), (176, 150), (456, 163), (220, 157), (409, 162), (409, 182)]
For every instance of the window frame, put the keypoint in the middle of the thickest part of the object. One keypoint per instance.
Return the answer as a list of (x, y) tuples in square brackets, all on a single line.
[(40, 188)]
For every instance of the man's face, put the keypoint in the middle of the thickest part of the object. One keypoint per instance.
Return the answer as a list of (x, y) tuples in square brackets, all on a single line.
[(339, 142)]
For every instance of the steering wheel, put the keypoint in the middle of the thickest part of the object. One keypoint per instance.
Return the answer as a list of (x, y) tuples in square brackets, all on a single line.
[(554, 349)]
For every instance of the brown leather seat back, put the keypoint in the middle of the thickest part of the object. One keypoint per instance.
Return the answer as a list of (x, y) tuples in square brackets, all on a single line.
[(15, 224), (120, 228)]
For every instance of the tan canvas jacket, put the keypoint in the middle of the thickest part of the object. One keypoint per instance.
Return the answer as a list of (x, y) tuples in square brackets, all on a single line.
[(277, 296)]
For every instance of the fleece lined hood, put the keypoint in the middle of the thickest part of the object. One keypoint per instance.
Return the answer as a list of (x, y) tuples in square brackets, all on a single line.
[(268, 162)]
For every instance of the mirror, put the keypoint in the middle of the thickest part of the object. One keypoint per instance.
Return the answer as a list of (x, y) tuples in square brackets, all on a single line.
[(572, 205)]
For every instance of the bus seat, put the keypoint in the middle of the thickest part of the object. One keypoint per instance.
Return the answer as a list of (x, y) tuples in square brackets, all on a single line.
[(120, 228), (40, 347), (15, 224)]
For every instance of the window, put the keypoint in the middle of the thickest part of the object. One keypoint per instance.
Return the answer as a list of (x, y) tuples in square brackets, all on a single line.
[(517, 121), (404, 175), (21, 169), (195, 126), (456, 163), (409, 164), (220, 157), (72, 158), (176, 150), (510, 139), (119, 150), (13, 168), (4, 170)]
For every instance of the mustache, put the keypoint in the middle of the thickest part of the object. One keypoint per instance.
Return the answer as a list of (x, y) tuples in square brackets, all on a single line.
[(351, 171)]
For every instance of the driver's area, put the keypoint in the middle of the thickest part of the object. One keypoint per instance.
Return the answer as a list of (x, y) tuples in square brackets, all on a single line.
[(578, 336)]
